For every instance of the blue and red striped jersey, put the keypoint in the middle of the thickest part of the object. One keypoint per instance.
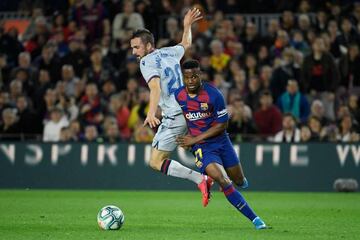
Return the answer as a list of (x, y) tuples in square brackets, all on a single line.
[(204, 110)]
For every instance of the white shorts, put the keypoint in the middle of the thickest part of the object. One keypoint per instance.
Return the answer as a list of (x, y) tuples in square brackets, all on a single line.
[(169, 129)]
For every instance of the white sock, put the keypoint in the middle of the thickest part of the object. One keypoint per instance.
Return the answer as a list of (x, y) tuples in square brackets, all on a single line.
[(176, 169)]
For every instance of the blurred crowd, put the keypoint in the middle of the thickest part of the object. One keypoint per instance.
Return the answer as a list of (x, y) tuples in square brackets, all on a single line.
[(71, 76)]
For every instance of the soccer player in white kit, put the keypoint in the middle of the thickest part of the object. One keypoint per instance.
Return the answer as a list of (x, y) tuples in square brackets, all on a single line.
[(161, 70)]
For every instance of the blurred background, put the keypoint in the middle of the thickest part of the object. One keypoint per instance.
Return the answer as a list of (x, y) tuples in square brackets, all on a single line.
[(72, 95)]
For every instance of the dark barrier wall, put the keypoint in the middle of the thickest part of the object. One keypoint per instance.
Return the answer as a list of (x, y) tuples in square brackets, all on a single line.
[(280, 167)]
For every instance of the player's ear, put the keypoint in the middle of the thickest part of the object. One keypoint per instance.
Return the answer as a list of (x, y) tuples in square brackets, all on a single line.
[(148, 46)]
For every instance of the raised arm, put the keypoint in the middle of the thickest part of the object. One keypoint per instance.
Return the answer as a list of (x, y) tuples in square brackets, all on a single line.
[(191, 16)]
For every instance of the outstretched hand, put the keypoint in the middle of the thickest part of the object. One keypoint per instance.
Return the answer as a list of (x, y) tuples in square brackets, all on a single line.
[(192, 16), (151, 120)]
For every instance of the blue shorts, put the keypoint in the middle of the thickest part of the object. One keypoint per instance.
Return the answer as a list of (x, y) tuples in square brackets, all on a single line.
[(219, 151)]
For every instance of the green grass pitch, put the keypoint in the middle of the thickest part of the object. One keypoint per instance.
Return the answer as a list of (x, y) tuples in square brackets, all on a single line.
[(35, 214)]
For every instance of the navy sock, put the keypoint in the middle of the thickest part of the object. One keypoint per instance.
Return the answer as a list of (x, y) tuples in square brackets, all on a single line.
[(165, 166), (238, 201)]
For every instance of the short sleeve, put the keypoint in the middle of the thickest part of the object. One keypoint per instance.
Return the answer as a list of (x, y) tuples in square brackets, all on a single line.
[(177, 51), (221, 113), (149, 70)]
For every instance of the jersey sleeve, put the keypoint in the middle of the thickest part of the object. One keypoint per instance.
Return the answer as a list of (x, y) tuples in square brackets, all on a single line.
[(220, 110), (148, 69), (177, 50)]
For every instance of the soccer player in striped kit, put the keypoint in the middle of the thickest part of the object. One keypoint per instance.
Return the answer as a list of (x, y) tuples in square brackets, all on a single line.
[(206, 115)]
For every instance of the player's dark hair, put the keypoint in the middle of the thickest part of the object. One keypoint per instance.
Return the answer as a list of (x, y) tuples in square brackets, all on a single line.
[(191, 64), (145, 35)]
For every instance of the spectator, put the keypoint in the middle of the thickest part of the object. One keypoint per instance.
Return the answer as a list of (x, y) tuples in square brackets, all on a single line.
[(250, 66), (220, 83), (68, 106), (9, 129), (100, 69), (143, 134), (49, 61), (321, 20), (251, 41), (315, 126), (42, 84), (240, 82), (131, 93), (91, 107), (298, 42), (119, 109), (263, 56), (16, 89), (346, 133), (126, 21), (92, 17), (318, 111), (282, 74), (348, 35), (294, 102), (304, 23), (91, 134), (268, 117), (4, 102), (289, 133), (320, 76), (112, 134), (9, 46), (240, 124), (139, 111), (219, 60), (288, 20), (265, 76), (28, 122), (75, 130), (4, 71), (24, 63), (272, 29), (252, 98), (334, 32), (65, 134), (52, 128), (146, 10), (349, 66), (354, 108), (76, 56), (131, 70), (107, 90), (305, 134), (69, 79), (281, 42)]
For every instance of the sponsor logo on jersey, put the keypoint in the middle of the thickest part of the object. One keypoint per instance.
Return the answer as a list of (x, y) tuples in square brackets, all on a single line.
[(204, 106), (143, 62), (197, 115)]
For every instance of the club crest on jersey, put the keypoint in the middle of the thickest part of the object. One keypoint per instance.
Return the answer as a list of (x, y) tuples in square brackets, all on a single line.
[(204, 106)]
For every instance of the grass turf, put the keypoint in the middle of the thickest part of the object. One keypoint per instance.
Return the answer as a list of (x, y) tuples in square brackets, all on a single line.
[(36, 214)]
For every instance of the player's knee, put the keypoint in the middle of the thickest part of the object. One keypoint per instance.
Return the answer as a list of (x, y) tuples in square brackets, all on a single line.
[(155, 164), (222, 180), (238, 181)]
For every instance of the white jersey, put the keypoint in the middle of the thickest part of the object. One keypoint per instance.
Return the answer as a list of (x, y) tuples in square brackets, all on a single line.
[(165, 63)]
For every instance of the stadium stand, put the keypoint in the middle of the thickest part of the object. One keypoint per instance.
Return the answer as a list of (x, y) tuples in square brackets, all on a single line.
[(66, 66)]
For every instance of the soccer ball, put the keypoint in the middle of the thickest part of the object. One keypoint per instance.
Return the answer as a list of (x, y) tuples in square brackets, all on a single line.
[(110, 218)]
